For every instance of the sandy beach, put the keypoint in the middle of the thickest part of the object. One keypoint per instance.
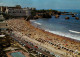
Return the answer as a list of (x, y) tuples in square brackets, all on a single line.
[(64, 44)]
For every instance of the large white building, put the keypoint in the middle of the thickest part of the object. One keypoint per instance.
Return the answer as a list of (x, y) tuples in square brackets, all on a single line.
[(16, 11), (23, 12)]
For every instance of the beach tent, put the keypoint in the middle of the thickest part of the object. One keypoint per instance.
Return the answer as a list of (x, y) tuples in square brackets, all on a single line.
[(2, 35), (79, 53)]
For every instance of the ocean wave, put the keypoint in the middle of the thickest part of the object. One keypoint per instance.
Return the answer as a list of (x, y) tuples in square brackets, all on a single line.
[(74, 31), (64, 34), (38, 23), (32, 20)]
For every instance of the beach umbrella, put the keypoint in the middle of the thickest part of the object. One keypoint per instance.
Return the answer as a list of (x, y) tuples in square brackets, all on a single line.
[(66, 44)]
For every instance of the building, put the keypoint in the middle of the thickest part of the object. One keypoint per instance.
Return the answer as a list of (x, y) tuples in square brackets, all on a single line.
[(2, 18), (23, 12), (3, 26), (16, 11), (32, 8), (3, 8)]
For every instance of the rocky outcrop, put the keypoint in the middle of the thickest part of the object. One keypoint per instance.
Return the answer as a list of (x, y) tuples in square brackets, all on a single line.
[(46, 15), (66, 17), (35, 17), (73, 16), (77, 18), (56, 16)]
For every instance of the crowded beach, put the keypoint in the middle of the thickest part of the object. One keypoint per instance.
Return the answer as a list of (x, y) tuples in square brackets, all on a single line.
[(62, 45)]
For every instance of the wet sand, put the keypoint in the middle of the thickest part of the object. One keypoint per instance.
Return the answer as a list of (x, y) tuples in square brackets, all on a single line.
[(43, 36)]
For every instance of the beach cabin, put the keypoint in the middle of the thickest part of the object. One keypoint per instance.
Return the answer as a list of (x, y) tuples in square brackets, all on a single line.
[(2, 18), (3, 24)]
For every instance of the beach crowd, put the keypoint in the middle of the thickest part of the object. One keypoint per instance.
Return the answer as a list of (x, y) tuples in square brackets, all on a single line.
[(69, 46)]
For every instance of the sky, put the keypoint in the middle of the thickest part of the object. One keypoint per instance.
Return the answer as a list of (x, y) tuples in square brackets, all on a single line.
[(43, 4)]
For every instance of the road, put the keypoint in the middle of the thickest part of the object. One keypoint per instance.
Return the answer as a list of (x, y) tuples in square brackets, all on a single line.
[(29, 42), (30, 45)]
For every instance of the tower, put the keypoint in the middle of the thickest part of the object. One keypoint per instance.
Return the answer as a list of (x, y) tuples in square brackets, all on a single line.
[(1, 16), (6, 11), (1, 10)]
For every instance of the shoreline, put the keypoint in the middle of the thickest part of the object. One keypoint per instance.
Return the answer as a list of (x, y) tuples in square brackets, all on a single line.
[(67, 38), (44, 37)]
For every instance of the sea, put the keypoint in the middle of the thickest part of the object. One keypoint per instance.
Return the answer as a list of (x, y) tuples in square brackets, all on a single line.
[(60, 26)]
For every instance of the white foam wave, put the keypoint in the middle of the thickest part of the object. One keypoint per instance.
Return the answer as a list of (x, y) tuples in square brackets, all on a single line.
[(74, 31), (32, 20), (64, 34), (38, 23)]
